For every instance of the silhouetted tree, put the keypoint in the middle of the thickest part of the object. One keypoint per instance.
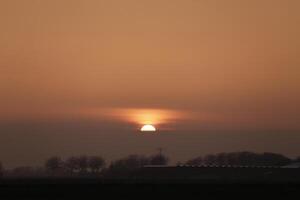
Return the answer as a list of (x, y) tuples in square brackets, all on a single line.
[(210, 159), (25, 171), (297, 159), (243, 159), (159, 159), (83, 163), (72, 164), (178, 163), (222, 159), (54, 163), (273, 159), (96, 163), (130, 162), (195, 161), (1, 170), (123, 167)]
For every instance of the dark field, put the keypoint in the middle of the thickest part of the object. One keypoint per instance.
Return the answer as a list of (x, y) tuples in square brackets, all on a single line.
[(154, 182), (97, 189)]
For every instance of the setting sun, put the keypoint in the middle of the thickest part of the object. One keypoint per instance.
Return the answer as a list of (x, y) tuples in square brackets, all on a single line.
[(148, 127)]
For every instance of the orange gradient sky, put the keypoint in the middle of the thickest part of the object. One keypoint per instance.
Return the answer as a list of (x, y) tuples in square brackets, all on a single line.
[(211, 64)]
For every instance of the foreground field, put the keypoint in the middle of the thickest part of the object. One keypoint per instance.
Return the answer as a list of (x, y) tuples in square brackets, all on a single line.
[(91, 188)]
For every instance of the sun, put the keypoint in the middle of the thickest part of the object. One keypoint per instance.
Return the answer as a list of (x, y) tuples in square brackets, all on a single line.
[(148, 127)]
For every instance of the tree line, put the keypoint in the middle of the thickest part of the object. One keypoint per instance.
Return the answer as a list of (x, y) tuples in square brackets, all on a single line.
[(85, 166), (242, 159), (96, 165)]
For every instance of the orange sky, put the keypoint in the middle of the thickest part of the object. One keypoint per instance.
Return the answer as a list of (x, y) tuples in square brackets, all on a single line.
[(230, 64)]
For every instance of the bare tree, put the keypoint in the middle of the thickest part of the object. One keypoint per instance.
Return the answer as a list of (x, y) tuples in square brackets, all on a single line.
[(297, 159), (96, 163), (24, 171), (209, 159), (72, 164), (159, 159), (195, 161), (130, 162), (243, 159), (83, 163), (1, 170), (54, 163), (274, 159)]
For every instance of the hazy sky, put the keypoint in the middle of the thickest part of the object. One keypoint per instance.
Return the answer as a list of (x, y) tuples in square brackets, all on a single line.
[(216, 75)]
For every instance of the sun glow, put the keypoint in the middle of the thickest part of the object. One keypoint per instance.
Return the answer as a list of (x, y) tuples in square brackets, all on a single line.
[(148, 127), (146, 118)]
